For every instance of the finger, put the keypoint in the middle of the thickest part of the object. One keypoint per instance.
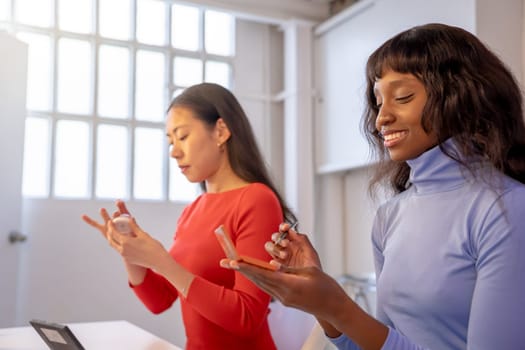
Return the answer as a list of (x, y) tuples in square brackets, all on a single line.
[(229, 264), (293, 235), (114, 241), (276, 263), (115, 238), (112, 233), (122, 207), (100, 227), (115, 244), (269, 281), (91, 222), (105, 215), (135, 228), (111, 240), (275, 251), (284, 226), (224, 263), (277, 237)]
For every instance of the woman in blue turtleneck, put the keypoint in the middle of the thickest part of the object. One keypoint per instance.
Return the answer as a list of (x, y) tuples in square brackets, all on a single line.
[(445, 118)]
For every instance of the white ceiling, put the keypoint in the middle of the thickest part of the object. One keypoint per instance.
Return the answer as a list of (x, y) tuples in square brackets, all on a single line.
[(274, 10)]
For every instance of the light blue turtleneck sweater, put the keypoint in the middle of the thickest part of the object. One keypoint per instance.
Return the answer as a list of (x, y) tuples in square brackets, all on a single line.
[(450, 259)]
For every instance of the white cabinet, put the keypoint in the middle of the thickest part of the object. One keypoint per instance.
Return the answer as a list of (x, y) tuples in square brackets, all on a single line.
[(344, 42)]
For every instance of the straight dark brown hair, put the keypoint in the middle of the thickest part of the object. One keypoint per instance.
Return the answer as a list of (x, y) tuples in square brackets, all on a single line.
[(209, 102)]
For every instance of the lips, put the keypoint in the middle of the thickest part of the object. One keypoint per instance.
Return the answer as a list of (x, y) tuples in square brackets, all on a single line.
[(391, 138), (394, 135)]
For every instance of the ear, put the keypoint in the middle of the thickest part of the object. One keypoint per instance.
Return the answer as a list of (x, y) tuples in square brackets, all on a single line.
[(222, 131)]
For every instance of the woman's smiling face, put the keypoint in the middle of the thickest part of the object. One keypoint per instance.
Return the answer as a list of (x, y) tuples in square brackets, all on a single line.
[(401, 99)]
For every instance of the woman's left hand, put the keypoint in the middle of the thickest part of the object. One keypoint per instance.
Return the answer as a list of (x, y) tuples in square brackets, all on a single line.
[(305, 288), (138, 248)]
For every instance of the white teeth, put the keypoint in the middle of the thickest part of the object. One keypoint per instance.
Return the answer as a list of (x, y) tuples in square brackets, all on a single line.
[(390, 137)]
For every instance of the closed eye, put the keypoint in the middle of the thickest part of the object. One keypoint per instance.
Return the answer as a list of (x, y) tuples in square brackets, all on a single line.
[(405, 99)]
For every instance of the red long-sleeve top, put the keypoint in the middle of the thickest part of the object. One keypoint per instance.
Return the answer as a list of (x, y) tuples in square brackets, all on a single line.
[(223, 309)]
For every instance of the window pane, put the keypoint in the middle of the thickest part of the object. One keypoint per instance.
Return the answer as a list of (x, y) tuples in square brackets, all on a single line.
[(112, 162), (4, 10), (149, 155), (151, 16), (71, 159), (180, 188), (34, 12), (39, 75), (187, 71), (35, 179), (150, 86), (75, 16), (219, 33), (114, 18), (219, 73), (74, 76), (185, 27), (113, 82)]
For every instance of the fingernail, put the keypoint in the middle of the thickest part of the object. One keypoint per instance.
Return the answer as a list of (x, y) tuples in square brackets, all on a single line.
[(275, 263)]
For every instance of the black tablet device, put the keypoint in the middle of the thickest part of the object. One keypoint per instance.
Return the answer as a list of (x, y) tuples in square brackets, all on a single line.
[(56, 336)]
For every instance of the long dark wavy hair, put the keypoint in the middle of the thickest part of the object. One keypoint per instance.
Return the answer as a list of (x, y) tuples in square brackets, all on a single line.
[(209, 102), (472, 97)]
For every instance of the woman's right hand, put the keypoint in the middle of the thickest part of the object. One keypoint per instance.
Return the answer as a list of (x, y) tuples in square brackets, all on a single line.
[(294, 251)]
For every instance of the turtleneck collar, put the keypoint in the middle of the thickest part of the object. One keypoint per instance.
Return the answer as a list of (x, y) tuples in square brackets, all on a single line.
[(434, 171)]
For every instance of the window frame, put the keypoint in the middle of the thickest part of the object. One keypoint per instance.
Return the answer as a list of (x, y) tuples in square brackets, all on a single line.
[(94, 120)]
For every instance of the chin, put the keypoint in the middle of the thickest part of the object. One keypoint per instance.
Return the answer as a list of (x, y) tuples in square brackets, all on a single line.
[(396, 157), (404, 156), (194, 180)]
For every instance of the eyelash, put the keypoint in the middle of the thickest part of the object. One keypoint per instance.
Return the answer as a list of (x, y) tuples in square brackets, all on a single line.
[(182, 138), (403, 99)]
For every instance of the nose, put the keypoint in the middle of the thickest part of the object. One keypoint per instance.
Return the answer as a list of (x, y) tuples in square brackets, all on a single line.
[(175, 152), (383, 120)]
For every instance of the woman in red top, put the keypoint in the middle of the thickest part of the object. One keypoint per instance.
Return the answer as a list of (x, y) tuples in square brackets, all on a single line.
[(213, 143)]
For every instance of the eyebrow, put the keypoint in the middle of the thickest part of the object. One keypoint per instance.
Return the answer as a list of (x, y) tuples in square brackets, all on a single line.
[(174, 130), (396, 83)]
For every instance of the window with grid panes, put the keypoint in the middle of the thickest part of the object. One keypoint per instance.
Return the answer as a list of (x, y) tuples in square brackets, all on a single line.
[(101, 74)]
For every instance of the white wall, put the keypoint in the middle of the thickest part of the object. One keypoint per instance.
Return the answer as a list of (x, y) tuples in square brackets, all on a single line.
[(70, 274), (258, 78)]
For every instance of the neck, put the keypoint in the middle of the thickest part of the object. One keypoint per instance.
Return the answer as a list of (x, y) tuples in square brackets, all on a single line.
[(224, 180), (212, 187)]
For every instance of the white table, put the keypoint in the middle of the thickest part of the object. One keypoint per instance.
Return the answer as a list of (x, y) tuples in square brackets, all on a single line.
[(110, 335)]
